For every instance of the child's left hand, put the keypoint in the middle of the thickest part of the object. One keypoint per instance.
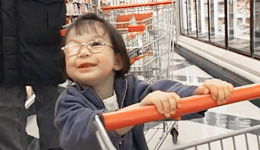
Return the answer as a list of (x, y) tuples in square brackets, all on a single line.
[(219, 90)]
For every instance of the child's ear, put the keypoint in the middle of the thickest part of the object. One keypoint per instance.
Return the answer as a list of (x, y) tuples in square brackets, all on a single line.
[(118, 62)]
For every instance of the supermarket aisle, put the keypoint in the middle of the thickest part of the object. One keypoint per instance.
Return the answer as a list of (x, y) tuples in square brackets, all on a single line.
[(217, 121)]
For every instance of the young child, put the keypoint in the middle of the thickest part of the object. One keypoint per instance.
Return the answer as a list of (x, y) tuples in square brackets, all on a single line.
[(97, 61)]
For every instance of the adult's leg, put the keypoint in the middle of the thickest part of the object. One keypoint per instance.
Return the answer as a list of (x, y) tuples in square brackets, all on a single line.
[(13, 118), (46, 97)]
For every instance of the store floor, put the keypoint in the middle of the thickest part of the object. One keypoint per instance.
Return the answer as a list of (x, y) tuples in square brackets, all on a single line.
[(218, 121)]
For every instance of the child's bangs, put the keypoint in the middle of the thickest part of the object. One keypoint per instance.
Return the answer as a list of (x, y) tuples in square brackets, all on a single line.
[(86, 26)]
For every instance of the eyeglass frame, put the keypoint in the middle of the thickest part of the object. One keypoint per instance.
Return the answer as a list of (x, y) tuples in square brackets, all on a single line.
[(65, 48)]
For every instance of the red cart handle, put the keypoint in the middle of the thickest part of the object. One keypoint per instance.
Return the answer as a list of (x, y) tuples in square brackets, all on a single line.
[(119, 119)]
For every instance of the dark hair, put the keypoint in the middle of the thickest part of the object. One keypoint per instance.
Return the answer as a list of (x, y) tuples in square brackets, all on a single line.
[(89, 20)]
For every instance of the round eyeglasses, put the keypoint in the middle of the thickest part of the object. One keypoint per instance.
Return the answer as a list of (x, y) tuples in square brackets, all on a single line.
[(93, 46)]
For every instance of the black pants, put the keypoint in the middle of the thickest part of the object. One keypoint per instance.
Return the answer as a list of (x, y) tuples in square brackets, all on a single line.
[(13, 117)]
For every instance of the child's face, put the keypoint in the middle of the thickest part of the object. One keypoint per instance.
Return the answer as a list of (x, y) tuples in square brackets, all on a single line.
[(88, 68)]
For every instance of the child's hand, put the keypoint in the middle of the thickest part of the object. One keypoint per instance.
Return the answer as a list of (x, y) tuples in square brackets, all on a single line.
[(219, 90), (165, 102)]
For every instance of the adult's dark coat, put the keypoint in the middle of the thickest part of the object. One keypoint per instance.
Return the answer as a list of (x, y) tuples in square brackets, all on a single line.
[(30, 40)]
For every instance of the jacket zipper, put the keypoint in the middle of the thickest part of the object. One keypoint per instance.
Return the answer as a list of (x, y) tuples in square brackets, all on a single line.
[(103, 105), (121, 106), (119, 145)]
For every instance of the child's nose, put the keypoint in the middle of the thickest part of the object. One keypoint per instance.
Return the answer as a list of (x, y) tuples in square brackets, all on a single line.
[(84, 51)]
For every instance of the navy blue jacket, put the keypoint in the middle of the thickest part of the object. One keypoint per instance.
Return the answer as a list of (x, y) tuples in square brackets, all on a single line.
[(76, 109)]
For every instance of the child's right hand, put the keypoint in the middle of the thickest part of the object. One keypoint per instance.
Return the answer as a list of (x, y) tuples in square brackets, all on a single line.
[(166, 103)]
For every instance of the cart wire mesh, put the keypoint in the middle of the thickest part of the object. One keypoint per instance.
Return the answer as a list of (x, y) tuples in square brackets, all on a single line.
[(244, 139), (150, 52)]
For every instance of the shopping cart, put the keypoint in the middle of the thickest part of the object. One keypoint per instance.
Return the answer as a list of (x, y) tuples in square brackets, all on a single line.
[(114, 120), (150, 54), (147, 34)]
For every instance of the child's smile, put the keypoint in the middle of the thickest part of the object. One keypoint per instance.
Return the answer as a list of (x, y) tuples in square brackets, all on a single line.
[(86, 66)]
